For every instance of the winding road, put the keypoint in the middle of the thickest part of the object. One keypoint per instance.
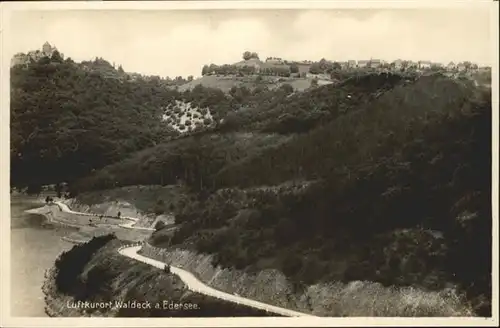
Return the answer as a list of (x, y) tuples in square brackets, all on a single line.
[(129, 225), (191, 282)]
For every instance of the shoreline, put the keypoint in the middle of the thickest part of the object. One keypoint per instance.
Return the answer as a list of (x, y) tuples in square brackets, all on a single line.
[(50, 218), (50, 215), (347, 302)]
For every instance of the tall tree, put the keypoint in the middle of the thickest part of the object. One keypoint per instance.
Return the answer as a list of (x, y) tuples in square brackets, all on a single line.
[(247, 55)]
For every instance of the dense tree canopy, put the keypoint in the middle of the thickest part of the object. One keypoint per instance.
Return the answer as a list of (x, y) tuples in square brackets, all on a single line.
[(250, 55), (382, 177), (68, 119), (402, 194)]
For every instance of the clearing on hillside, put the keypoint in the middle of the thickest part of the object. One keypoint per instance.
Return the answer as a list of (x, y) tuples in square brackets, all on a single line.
[(225, 83)]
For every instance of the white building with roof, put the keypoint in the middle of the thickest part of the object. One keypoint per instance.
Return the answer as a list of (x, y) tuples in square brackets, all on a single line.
[(424, 64)]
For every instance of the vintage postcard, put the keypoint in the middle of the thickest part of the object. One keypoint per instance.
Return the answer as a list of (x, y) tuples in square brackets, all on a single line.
[(234, 163)]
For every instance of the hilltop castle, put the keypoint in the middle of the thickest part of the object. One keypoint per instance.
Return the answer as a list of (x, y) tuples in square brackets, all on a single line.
[(25, 59)]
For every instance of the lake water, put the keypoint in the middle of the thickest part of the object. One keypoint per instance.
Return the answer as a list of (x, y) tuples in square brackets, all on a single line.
[(35, 245)]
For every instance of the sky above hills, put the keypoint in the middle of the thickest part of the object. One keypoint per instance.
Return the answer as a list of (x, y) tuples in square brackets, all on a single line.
[(171, 43)]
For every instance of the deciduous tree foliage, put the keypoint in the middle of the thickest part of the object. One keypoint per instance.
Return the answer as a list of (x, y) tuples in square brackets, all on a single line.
[(68, 119), (250, 55), (401, 167), (403, 198), (70, 264)]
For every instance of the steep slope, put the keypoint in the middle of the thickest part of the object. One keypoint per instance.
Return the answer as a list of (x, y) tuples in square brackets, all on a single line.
[(69, 118), (357, 105), (405, 192), (192, 160), (402, 186), (96, 272), (226, 83), (367, 130), (183, 117), (66, 121), (302, 112)]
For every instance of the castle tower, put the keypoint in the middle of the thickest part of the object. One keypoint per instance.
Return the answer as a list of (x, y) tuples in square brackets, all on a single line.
[(47, 48)]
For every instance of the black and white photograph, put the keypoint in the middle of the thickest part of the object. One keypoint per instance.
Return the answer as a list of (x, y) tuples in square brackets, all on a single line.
[(222, 160)]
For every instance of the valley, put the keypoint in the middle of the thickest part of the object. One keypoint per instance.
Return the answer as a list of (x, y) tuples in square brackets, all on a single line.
[(344, 191)]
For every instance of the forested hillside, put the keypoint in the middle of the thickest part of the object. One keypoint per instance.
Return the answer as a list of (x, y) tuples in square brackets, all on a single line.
[(403, 198), (260, 124), (68, 119), (401, 193)]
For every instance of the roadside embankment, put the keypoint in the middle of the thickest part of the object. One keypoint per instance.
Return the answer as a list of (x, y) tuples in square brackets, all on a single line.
[(86, 232), (93, 279), (357, 298), (323, 299)]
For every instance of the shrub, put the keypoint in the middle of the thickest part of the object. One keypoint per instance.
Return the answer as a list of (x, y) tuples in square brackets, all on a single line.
[(159, 225), (70, 264), (159, 207)]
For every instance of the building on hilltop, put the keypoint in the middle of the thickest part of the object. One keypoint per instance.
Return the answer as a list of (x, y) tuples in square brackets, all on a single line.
[(424, 64), (303, 67), (47, 48), (343, 64), (253, 62), (274, 60), (412, 64), (274, 67), (375, 63), (271, 64), (351, 63), (484, 69), (363, 63), (451, 66), (36, 55), (436, 65), (461, 67), (398, 64)]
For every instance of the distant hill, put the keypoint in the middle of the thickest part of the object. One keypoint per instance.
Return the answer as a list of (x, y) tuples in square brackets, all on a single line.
[(378, 177), (321, 114), (250, 62), (69, 118), (225, 83), (401, 192), (66, 120), (226, 77), (104, 68), (404, 197), (94, 107), (355, 126), (301, 112)]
